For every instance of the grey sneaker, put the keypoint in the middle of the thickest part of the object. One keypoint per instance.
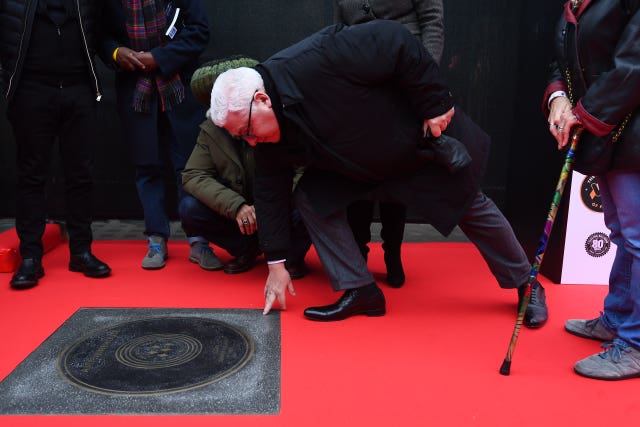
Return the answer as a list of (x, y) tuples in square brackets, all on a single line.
[(619, 361), (592, 329), (204, 256), (157, 255)]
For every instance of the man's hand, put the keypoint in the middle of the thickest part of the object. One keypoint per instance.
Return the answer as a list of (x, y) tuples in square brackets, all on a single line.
[(128, 59), (246, 219), (437, 125), (278, 282), (148, 61)]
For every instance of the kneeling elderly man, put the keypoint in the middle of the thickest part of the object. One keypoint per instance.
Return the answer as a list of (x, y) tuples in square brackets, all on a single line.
[(354, 105)]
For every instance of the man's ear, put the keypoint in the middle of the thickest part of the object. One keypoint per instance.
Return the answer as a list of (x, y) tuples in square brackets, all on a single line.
[(262, 97)]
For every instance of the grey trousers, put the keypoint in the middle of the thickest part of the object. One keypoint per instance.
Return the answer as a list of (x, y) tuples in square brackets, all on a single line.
[(483, 223), (335, 245), (489, 230)]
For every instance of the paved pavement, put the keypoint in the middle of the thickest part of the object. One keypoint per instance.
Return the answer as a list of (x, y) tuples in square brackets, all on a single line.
[(126, 229)]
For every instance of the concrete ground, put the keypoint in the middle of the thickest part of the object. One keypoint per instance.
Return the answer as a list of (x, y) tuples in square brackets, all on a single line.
[(126, 229)]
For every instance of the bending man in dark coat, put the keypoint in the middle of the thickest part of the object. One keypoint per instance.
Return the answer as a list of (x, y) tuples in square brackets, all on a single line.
[(357, 118)]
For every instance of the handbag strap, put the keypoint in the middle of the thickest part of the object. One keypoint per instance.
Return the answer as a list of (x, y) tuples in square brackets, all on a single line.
[(622, 125)]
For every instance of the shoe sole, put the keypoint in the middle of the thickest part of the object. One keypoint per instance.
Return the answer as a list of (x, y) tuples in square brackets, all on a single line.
[(370, 313), (244, 270), (196, 261), (154, 267), (589, 337), (624, 377), (27, 284)]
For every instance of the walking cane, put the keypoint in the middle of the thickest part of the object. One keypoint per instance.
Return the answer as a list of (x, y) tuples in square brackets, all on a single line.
[(505, 369)]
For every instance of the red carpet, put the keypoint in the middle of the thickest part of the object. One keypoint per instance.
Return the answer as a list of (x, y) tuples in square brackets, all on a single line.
[(432, 360)]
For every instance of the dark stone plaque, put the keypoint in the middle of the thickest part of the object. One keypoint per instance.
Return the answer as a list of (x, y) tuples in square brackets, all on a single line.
[(151, 361), (156, 355)]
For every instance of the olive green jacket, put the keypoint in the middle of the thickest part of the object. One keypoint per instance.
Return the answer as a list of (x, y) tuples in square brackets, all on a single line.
[(220, 171)]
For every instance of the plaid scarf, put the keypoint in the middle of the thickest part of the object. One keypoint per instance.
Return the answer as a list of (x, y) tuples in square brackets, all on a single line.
[(146, 22)]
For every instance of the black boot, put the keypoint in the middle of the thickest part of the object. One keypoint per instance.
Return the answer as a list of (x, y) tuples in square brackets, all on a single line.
[(89, 265), (395, 272), (28, 273), (392, 218), (537, 312)]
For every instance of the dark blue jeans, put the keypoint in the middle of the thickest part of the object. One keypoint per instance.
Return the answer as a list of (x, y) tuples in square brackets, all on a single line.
[(199, 220), (620, 193)]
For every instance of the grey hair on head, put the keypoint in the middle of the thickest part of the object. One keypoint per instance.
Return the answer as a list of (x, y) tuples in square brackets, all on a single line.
[(232, 92)]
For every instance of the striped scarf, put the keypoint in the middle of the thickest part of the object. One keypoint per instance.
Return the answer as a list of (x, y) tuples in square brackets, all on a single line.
[(146, 23)]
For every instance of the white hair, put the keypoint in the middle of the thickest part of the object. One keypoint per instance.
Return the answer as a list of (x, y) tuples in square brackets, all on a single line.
[(232, 91)]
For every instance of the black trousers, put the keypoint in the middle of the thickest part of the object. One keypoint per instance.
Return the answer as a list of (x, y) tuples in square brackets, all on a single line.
[(392, 219), (43, 115)]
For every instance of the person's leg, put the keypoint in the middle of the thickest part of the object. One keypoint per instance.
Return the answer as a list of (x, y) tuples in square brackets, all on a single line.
[(151, 191), (300, 244), (76, 151), (34, 120), (32, 114), (622, 303), (491, 233), (393, 217), (343, 263), (200, 220), (621, 359), (335, 245), (360, 216), (618, 302), (78, 119)]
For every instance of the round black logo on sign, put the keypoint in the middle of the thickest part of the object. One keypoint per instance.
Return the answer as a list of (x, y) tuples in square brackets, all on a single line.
[(590, 193), (157, 355), (597, 244)]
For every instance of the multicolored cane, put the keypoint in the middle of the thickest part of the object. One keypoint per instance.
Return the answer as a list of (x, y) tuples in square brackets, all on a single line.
[(505, 369)]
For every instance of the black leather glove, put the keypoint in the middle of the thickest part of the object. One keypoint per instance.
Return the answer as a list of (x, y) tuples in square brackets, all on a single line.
[(446, 151)]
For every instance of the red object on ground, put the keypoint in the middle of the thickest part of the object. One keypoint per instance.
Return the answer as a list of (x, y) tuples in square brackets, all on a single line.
[(10, 246)]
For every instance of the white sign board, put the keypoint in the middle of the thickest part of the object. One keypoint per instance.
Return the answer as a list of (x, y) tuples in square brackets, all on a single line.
[(588, 251)]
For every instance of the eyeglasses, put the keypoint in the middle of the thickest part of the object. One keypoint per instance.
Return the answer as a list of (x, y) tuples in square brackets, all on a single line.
[(248, 133)]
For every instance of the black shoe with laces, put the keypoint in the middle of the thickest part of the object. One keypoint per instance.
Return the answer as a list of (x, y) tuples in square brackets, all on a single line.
[(89, 265), (537, 312)]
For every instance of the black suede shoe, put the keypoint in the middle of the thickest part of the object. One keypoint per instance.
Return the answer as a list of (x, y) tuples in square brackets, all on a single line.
[(537, 313), (395, 272), (244, 262), (88, 264), (28, 273), (367, 300), (297, 269)]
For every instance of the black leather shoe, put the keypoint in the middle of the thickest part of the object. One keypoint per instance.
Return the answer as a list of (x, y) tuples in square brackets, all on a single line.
[(28, 273), (297, 270), (244, 262), (88, 264), (367, 300), (537, 312), (395, 272)]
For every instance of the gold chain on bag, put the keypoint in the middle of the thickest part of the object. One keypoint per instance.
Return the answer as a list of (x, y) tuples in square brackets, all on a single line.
[(622, 125)]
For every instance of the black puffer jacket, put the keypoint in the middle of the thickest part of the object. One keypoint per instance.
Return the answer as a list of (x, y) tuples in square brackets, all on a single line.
[(16, 21), (598, 47)]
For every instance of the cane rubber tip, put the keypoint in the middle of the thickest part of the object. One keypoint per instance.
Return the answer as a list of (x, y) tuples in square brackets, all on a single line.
[(505, 369)]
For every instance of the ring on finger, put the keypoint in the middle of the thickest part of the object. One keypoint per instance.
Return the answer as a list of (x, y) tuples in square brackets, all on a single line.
[(245, 221)]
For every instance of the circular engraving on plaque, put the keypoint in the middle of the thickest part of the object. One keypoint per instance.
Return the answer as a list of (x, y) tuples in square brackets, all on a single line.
[(590, 194), (597, 244), (156, 355)]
